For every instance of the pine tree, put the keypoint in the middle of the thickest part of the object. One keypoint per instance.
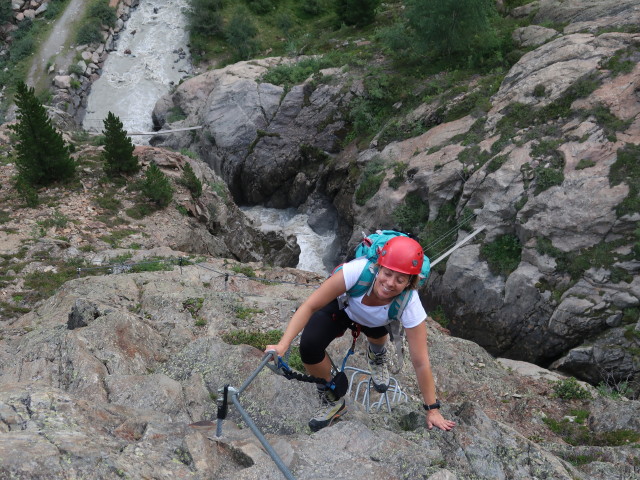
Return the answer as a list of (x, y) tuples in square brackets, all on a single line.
[(42, 156), (118, 148), (156, 186), (191, 181)]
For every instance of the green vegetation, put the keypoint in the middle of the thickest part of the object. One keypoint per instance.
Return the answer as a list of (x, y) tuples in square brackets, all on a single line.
[(575, 433), (288, 74), (602, 255), (412, 214), (260, 340), (156, 186), (191, 181), (256, 339), (626, 169), (175, 114), (570, 389), (620, 62), (118, 148), (399, 175), (241, 34), (116, 236), (439, 316), (245, 270), (502, 255), (97, 14), (585, 163), (42, 158), (356, 12), (245, 313), (370, 181)]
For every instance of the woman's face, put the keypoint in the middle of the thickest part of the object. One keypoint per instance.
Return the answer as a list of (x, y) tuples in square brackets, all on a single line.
[(390, 283)]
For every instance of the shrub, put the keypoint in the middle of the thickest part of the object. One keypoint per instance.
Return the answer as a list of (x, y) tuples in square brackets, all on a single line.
[(262, 7), (74, 68), (101, 10), (156, 186), (22, 48), (547, 177), (570, 389), (189, 180), (626, 169), (412, 214), (502, 255), (370, 182), (89, 32), (175, 114), (205, 19), (241, 34)]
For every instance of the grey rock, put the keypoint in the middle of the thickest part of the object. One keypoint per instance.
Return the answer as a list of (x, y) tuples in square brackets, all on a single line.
[(82, 314)]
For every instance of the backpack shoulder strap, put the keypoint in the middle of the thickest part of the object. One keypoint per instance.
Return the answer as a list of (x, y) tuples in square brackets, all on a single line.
[(397, 306), (365, 281)]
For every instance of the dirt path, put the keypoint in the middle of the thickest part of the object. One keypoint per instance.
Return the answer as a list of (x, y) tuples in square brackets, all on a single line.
[(56, 48)]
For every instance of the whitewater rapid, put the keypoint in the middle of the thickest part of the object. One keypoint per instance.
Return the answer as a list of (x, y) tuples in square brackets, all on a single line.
[(151, 57)]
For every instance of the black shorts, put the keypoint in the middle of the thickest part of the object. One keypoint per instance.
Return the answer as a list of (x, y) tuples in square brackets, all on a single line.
[(326, 325)]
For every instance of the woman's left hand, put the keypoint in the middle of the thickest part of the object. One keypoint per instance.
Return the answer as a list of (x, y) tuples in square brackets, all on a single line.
[(435, 419)]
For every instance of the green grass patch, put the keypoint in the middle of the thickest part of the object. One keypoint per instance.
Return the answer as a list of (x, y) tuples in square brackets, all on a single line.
[(109, 203), (502, 255), (412, 214), (141, 210), (370, 180), (439, 316), (256, 339), (245, 313), (245, 270)]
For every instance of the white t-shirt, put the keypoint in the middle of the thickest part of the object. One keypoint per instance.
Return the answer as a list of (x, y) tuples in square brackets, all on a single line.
[(414, 313)]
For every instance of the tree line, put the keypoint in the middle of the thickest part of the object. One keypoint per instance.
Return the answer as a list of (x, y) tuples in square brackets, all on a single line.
[(43, 158)]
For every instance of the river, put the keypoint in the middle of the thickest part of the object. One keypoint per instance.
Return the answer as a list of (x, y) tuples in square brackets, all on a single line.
[(151, 57)]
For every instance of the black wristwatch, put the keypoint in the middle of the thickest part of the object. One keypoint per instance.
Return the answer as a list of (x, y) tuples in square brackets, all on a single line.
[(433, 406)]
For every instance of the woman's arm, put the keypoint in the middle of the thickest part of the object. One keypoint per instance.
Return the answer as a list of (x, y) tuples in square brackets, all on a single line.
[(419, 350), (330, 289)]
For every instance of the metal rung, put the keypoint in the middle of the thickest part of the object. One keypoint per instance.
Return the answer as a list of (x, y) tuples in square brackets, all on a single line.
[(365, 386)]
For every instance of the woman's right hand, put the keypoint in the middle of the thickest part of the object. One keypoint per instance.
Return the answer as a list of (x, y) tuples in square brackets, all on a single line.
[(279, 349)]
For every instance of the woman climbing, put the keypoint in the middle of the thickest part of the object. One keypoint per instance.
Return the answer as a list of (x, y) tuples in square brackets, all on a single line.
[(321, 319)]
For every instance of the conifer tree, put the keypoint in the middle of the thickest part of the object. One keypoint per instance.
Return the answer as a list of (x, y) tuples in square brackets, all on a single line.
[(118, 148), (42, 156), (156, 186), (191, 181)]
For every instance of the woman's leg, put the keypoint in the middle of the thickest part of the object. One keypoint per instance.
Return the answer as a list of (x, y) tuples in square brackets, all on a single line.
[(377, 357), (324, 326)]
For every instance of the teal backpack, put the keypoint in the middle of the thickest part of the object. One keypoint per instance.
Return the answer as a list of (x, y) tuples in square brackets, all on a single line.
[(370, 247)]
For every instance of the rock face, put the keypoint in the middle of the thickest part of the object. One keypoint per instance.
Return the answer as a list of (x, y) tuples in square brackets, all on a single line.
[(269, 144), (114, 396), (542, 172)]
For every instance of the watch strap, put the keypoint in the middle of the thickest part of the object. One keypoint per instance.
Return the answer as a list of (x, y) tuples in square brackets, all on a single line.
[(433, 406)]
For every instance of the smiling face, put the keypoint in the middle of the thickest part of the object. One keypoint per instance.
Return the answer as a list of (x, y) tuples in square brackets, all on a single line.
[(390, 283)]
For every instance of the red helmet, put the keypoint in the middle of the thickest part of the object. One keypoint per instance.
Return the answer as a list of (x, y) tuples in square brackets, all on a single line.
[(402, 254)]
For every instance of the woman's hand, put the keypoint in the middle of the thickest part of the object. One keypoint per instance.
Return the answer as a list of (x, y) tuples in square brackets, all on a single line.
[(435, 419), (279, 349)]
